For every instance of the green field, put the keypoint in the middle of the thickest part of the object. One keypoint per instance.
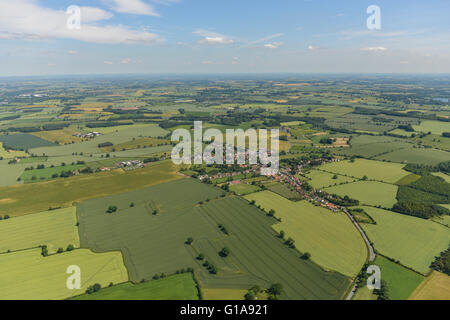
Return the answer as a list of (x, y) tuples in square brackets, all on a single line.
[(156, 243), (413, 241), (176, 287), (330, 238), (47, 173), (91, 146), (321, 179), (56, 229), (28, 198), (372, 193), (243, 189), (30, 276), (400, 281), (374, 170), (23, 141), (444, 176), (435, 127), (11, 154), (415, 155), (284, 190)]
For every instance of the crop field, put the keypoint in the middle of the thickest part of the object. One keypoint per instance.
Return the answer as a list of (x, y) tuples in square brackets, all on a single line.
[(23, 141), (413, 241), (136, 144), (372, 193), (47, 173), (176, 287), (415, 155), (224, 294), (434, 287), (34, 197), (283, 190), (143, 237), (62, 136), (164, 231), (30, 276), (408, 179), (55, 229), (321, 179), (243, 189), (258, 256), (374, 170), (330, 238), (91, 146), (370, 146), (11, 154), (435, 127), (401, 282)]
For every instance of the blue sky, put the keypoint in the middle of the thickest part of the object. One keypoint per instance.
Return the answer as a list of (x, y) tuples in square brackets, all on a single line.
[(223, 36)]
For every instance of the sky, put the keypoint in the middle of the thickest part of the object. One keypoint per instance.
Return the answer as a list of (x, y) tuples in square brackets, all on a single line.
[(39, 37)]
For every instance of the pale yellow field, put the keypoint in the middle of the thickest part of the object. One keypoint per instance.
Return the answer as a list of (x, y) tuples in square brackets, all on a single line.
[(27, 275), (56, 229), (330, 237), (60, 136), (11, 154), (434, 287)]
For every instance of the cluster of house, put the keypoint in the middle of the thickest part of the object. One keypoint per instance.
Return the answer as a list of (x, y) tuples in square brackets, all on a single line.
[(87, 135), (131, 164), (36, 95)]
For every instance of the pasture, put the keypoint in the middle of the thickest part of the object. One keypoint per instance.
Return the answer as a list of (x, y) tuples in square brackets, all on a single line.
[(426, 156), (321, 179), (330, 237), (401, 282), (434, 287), (374, 170), (176, 287), (283, 190), (30, 276), (36, 175), (34, 197), (372, 193), (55, 229), (413, 241), (243, 189), (435, 127)]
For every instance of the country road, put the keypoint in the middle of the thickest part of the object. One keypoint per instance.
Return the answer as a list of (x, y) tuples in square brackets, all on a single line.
[(372, 254)]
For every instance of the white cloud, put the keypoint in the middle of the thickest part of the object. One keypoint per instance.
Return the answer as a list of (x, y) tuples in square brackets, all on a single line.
[(73, 52), (25, 19), (374, 49), (273, 45), (125, 61), (212, 38), (312, 48), (108, 62), (131, 6)]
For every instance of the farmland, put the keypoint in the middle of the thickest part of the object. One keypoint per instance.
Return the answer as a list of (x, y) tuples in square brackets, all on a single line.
[(176, 287), (28, 198), (243, 189), (434, 287), (321, 179), (23, 141), (180, 218), (375, 170), (55, 229), (400, 281), (372, 193), (31, 276), (317, 231), (395, 234), (47, 173)]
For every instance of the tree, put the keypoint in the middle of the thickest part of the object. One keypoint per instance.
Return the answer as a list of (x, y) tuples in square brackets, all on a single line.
[(282, 234), (111, 209), (201, 256), (60, 250), (271, 213), (250, 295), (70, 247), (225, 252), (276, 289), (306, 256), (189, 240)]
